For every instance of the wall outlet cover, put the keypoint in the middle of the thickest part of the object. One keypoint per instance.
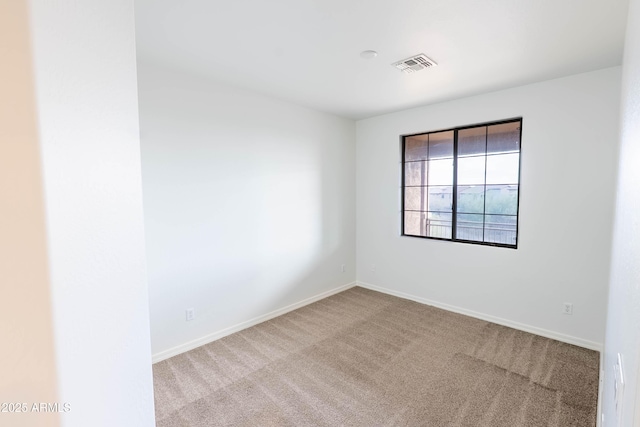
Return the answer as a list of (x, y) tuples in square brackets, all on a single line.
[(567, 308)]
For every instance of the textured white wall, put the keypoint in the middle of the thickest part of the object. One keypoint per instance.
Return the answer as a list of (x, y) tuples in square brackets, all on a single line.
[(623, 321), (85, 72), (569, 141), (249, 204)]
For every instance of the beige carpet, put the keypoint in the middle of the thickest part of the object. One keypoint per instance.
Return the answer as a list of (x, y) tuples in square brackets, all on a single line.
[(362, 358)]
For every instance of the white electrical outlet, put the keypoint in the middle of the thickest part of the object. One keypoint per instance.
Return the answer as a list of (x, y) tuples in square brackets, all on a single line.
[(191, 314), (343, 268), (567, 308), (373, 267)]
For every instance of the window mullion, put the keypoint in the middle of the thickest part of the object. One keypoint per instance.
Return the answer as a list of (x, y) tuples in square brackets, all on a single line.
[(454, 193), (484, 191), (402, 183)]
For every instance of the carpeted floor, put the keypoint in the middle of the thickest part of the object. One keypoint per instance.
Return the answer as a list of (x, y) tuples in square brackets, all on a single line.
[(362, 358)]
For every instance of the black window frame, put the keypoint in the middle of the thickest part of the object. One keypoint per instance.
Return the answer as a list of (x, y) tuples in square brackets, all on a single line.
[(454, 212)]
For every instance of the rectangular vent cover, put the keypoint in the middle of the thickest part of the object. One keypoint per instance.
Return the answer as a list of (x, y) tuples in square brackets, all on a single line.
[(415, 63)]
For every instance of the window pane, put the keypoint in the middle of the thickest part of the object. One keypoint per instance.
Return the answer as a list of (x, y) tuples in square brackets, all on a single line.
[(471, 170), (469, 227), (415, 173), (416, 147), (503, 138), (502, 199), (415, 198), (440, 198), (472, 142), (413, 224), (441, 172), (500, 229), (439, 225), (503, 168), (441, 145), (470, 199)]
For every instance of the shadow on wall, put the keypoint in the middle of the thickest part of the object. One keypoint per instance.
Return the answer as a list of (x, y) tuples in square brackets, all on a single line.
[(27, 359)]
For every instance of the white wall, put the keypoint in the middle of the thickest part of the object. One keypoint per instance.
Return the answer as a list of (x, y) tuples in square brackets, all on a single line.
[(86, 96), (623, 321), (569, 141), (249, 205)]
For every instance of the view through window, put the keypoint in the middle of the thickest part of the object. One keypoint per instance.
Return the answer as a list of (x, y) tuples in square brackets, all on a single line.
[(463, 184)]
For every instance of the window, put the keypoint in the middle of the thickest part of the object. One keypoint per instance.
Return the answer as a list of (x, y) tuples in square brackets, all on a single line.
[(463, 184)]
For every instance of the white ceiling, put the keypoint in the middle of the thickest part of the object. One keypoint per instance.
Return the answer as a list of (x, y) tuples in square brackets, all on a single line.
[(307, 51)]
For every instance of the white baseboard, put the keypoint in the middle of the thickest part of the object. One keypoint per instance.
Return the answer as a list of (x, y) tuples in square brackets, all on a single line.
[(592, 345), (244, 325)]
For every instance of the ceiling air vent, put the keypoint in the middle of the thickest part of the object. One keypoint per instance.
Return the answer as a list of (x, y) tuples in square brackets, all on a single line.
[(415, 63)]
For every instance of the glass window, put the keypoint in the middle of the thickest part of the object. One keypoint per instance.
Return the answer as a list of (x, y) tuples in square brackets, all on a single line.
[(463, 184)]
